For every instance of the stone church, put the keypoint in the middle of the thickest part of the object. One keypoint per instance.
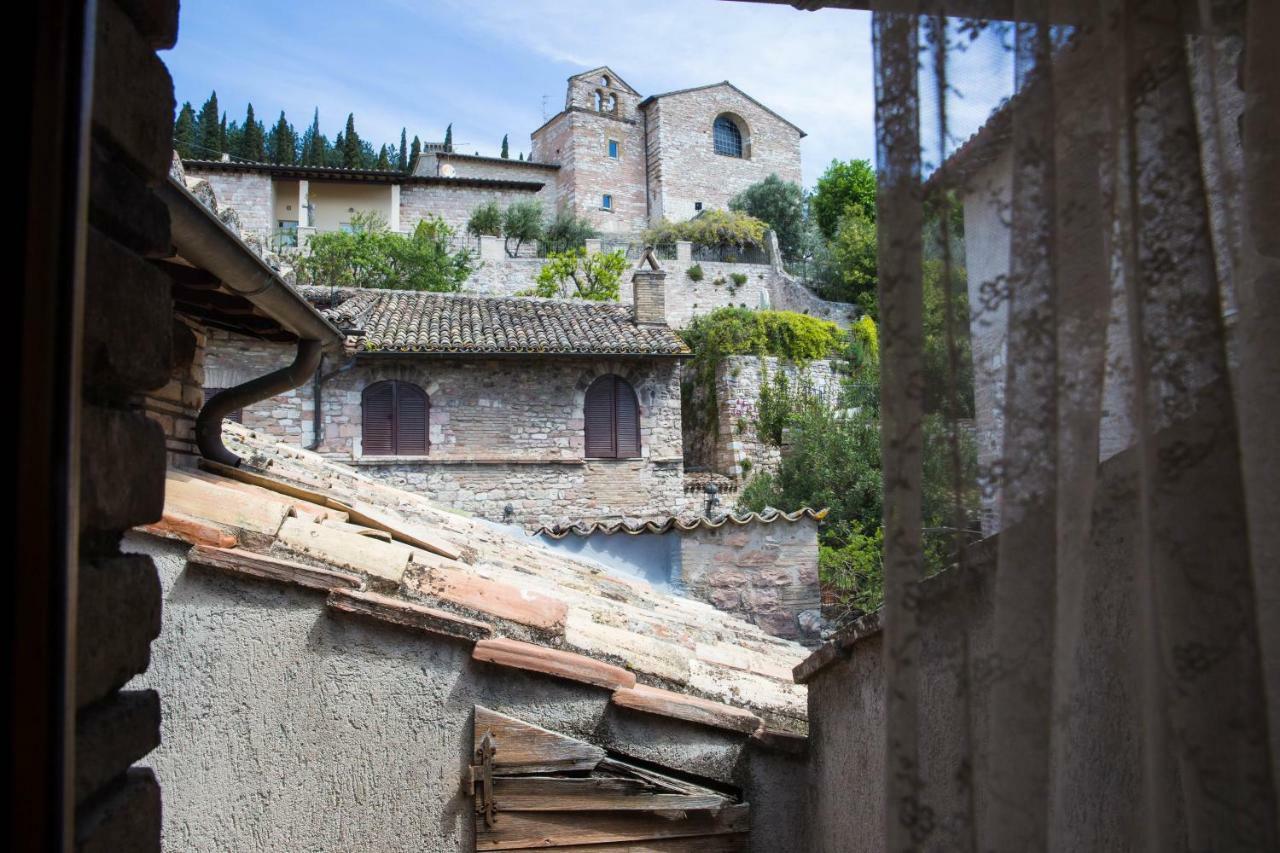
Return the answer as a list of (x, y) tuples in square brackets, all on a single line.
[(618, 158)]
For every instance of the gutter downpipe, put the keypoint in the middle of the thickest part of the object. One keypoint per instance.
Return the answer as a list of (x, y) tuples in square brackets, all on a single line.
[(203, 240)]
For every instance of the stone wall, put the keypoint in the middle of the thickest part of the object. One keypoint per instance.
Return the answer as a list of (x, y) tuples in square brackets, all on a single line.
[(732, 445), (250, 194), (767, 573), (454, 204), (684, 168), (501, 432), (288, 727)]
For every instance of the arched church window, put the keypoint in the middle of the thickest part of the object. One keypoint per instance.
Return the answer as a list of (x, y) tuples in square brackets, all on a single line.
[(610, 103), (727, 137), (598, 99)]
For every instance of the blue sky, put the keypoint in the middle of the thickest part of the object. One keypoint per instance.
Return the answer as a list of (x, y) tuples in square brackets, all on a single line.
[(499, 66)]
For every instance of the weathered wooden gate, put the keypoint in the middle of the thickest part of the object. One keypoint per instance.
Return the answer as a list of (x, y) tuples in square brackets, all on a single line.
[(536, 789)]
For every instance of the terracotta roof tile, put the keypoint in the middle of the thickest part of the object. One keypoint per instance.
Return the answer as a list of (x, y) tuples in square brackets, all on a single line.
[(399, 321)]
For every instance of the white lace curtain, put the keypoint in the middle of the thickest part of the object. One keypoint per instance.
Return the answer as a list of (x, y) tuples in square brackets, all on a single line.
[(1126, 693)]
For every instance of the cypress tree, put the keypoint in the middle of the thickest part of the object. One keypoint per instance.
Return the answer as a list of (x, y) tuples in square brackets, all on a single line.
[(351, 149), (282, 143), (506, 152), (253, 138), (184, 131), (448, 137), (208, 130), (314, 143), (521, 155), (383, 161), (232, 137), (223, 147), (414, 151), (403, 162)]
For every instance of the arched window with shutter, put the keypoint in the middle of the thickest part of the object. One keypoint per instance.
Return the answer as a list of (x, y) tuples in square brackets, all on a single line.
[(394, 418), (611, 415)]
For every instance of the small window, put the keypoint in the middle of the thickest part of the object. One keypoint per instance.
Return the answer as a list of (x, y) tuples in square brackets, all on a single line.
[(697, 205), (611, 415), (394, 419), (598, 99), (236, 415), (604, 81), (610, 103), (727, 137), (606, 202), (613, 148)]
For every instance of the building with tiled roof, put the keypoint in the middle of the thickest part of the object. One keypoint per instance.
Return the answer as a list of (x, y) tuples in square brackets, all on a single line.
[(518, 409), (350, 627)]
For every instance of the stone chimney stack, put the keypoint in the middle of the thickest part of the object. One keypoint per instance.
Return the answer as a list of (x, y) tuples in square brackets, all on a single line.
[(649, 289)]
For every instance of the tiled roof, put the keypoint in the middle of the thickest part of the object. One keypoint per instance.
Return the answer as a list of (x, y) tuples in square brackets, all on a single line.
[(368, 176), (636, 527), (381, 553), (399, 321)]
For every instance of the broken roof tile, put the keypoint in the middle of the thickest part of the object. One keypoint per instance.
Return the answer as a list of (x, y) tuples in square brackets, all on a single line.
[(407, 614), (666, 703), (520, 655)]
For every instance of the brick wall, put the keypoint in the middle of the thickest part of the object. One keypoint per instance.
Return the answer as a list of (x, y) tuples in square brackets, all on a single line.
[(129, 346), (765, 573), (175, 404), (685, 168)]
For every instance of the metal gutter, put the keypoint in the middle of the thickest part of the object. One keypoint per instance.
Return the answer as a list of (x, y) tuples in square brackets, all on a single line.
[(204, 241)]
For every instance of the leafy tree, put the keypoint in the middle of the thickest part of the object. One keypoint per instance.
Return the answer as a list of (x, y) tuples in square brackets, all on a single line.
[(209, 129), (845, 185), (568, 231), (506, 152), (486, 220), (522, 223), (577, 274), (184, 132), (448, 137), (853, 252), (780, 204), (352, 151), (252, 138), (946, 389), (372, 256), (282, 143), (402, 161)]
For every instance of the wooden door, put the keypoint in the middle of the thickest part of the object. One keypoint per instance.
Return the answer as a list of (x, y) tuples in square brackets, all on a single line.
[(536, 789)]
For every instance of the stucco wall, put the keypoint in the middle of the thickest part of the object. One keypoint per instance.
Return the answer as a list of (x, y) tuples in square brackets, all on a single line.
[(334, 203), (286, 727), (685, 168)]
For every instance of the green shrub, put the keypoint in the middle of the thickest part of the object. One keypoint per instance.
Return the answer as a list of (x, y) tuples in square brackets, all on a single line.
[(485, 220), (716, 228), (694, 272), (743, 331), (577, 274), (738, 278), (780, 204), (855, 568), (372, 256)]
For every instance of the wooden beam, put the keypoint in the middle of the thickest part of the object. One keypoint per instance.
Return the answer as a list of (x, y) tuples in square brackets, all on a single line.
[(516, 830), (558, 794), (526, 748)]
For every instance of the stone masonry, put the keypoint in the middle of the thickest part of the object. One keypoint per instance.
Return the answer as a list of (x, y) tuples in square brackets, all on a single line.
[(766, 572), (498, 436)]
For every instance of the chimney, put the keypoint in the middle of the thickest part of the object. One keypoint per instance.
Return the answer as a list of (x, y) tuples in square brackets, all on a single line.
[(649, 292)]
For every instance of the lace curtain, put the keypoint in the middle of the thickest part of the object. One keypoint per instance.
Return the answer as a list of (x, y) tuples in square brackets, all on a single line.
[(1115, 233)]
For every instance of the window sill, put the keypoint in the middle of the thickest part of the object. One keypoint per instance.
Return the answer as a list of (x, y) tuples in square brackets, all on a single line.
[(389, 460)]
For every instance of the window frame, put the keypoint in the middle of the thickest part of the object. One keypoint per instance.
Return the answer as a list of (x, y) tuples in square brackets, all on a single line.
[(615, 386), (738, 141), (396, 437), (606, 202), (614, 149)]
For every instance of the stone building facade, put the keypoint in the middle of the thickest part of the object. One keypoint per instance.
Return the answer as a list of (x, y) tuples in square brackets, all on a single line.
[(621, 160), (506, 436)]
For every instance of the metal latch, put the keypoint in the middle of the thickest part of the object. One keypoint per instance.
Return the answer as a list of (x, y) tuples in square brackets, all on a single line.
[(482, 779)]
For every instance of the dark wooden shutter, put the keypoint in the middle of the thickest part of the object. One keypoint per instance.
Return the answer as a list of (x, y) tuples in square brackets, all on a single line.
[(626, 419), (378, 419), (598, 412), (539, 789), (412, 411)]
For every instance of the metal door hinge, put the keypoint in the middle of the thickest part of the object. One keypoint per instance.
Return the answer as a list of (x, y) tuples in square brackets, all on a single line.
[(482, 779)]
